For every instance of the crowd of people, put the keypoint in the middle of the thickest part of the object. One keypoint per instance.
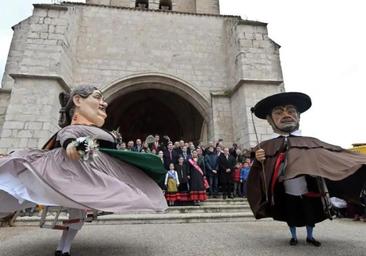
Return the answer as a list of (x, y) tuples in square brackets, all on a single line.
[(195, 172)]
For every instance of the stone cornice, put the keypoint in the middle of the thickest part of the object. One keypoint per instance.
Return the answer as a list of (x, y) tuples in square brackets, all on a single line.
[(252, 22), (242, 82), (5, 91), (50, 6), (230, 92), (59, 79)]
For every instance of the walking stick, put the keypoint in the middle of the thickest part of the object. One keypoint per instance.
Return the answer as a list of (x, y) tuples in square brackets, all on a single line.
[(262, 162)]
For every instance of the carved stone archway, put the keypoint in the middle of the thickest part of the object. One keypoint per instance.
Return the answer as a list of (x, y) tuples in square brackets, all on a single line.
[(157, 104)]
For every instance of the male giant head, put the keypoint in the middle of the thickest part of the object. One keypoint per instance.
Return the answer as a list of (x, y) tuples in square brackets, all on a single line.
[(282, 110)]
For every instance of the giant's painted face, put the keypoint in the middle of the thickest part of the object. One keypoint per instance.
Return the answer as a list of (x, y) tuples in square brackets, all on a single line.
[(91, 110), (285, 119)]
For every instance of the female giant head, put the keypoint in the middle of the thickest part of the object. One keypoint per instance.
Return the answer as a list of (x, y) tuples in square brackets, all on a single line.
[(83, 105)]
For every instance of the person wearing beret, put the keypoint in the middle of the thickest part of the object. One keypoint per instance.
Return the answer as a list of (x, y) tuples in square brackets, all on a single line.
[(293, 176)]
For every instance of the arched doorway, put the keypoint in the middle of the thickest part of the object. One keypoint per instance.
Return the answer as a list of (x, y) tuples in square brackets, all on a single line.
[(155, 104)]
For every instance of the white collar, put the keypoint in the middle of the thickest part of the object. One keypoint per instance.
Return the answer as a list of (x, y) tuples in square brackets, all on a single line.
[(294, 133)]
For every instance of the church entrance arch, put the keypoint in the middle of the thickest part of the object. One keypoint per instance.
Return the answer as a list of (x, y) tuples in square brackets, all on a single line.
[(156, 104)]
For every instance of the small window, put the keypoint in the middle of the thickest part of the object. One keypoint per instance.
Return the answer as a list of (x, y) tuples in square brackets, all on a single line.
[(165, 5), (143, 4)]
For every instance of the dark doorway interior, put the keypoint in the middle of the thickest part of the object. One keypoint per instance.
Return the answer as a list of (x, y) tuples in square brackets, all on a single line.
[(152, 111)]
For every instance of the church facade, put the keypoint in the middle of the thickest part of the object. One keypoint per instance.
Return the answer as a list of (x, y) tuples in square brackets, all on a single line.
[(171, 67)]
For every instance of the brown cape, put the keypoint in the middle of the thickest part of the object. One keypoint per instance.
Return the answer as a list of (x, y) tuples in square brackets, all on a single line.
[(343, 170)]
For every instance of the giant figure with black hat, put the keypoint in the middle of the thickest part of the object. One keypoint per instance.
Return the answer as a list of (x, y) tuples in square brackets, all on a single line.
[(293, 175)]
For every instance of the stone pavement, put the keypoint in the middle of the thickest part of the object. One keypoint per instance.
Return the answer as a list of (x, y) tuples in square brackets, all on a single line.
[(338, 237)]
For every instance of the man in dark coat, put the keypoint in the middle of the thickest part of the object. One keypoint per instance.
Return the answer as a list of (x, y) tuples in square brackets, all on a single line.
[(170, 156), (292, 174), (212, 169), (226, 166)]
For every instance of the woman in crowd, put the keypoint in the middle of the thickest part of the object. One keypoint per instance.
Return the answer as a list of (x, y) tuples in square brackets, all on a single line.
[(182, 170), (60, 177), (196, 176), (161, 156)]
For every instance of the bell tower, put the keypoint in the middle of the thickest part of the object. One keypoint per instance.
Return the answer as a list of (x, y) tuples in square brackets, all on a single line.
[(208, 6), (192, 6)]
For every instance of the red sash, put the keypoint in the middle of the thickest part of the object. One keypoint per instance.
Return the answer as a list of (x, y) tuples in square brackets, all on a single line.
[(279, 160), (196, 166)]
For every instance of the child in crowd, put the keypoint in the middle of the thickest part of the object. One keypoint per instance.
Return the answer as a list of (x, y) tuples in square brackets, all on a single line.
[(236, 180), (171, 183), (244, 172)]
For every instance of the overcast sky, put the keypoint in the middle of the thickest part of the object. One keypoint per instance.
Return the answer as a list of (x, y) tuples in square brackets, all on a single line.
[(323, 54)]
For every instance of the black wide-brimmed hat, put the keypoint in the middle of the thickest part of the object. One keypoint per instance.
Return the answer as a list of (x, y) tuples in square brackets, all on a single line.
[(301, 101)]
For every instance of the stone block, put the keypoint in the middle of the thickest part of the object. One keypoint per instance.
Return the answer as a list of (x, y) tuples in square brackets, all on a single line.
[(51, 28), (13, 124), (56, 36), (41, 41), (53, 13), (39, 12), (39, 28), (6, 133), (25, 134), (60, 29), (42, 134), (33, 125), (258, 36), (33, 143), (246, 43)]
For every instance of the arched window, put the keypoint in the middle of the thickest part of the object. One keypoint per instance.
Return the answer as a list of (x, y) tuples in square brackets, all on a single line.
[(165, 5), (144, 4)]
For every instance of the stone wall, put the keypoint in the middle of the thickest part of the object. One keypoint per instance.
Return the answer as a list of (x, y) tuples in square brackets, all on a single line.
[(44, 44), (258, 58), (190, 47), (4, 102), (16, 52), (222, 119), (32, 113)]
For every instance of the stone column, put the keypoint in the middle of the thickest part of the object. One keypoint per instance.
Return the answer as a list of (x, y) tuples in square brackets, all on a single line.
[(222, 118), (4, 102)]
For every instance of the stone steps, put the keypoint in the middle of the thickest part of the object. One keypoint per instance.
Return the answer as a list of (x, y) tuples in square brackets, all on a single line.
[(229, 201), (169, 218), (208, 209), (212, 210)]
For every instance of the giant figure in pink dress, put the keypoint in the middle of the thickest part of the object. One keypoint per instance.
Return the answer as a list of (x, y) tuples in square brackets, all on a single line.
[(59, 177)]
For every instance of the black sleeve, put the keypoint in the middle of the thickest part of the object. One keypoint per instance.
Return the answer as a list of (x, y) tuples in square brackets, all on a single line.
[(66, 143)]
